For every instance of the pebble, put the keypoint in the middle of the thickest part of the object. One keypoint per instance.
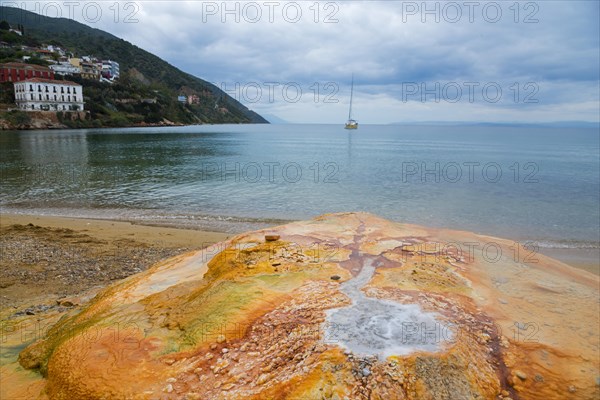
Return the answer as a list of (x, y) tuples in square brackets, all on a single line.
[(335, 277), (271, 238), (220, 338), (213, 346), (225, 350), (168, 388), (263, 378), (171, 380), (572, 389), (366, 372), (520, 374)]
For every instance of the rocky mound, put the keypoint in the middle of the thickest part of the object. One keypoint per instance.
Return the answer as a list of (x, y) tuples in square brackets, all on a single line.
[(345, 306)]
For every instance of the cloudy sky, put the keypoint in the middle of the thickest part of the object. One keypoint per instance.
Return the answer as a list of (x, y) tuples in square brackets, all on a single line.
[(502, 61)]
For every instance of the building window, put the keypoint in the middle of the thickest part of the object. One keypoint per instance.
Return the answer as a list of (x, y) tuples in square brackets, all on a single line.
[(69, 90), (46, 89), (39, 88), (54, 89), (74, 90), (54, 97), (47, 97), (31, 88), (40, 97)]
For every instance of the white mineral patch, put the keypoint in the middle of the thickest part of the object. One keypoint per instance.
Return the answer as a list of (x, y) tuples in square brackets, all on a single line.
[(382, 328)]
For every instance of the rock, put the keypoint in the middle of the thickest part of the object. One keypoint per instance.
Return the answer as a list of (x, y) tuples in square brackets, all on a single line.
[(171, 380), (335, 277), (168, 388), (520, 374), (277, 324), (263, 378), (271, 238)]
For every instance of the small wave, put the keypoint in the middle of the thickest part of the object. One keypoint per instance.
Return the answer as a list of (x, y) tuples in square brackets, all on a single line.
[(563, 244), (219, 223)]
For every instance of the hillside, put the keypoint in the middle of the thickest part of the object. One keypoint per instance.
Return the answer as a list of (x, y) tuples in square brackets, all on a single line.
[(143, 76)]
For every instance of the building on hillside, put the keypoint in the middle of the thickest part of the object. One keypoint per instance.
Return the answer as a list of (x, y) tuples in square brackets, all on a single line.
[(48, 95), (182, 99), (90, 70), (76, 62), (45, 54), (16, 72), (110, 69), (64, 68)]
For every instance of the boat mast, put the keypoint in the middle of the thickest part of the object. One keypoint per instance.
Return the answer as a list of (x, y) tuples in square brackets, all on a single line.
[(351, 93)]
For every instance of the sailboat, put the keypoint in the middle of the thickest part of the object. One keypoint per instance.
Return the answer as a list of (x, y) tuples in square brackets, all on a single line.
[(351, 124)]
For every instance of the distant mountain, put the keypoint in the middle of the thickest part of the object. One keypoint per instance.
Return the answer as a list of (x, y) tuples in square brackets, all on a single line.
[(274, 119), (137, 66), (557, 124)]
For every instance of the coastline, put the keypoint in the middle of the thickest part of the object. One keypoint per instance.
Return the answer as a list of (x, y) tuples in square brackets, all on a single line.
[(45, 260), (192, 238)]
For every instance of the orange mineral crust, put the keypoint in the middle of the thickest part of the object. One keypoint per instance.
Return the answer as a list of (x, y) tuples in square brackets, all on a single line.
[(344, 306)]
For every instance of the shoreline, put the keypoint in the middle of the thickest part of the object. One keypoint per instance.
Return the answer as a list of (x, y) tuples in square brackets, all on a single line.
[(46, 262), (164, 236)]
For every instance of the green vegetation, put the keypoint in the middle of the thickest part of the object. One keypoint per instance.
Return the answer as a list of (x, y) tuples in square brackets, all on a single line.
[(16, 117), (148, 89)]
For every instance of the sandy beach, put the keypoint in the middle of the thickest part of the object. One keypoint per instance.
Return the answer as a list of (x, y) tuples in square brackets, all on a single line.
[(44, 258)]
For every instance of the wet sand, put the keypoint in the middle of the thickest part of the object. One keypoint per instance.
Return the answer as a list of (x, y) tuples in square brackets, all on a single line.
[(45, 259)]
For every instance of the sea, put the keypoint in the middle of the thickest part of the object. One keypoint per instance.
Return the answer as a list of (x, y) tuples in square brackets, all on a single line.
[(528, 183)]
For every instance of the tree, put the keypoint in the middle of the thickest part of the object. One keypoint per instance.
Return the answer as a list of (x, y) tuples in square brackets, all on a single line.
[(4, 25)]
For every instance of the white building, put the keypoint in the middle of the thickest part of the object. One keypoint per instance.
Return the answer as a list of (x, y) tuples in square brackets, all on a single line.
[(110, 69), (64, 68), (39, 94)]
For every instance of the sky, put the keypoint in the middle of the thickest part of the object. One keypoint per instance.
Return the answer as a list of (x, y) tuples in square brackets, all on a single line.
[(411, 61)]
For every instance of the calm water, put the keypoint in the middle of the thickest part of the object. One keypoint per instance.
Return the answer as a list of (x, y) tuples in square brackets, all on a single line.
[(527, 183)]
